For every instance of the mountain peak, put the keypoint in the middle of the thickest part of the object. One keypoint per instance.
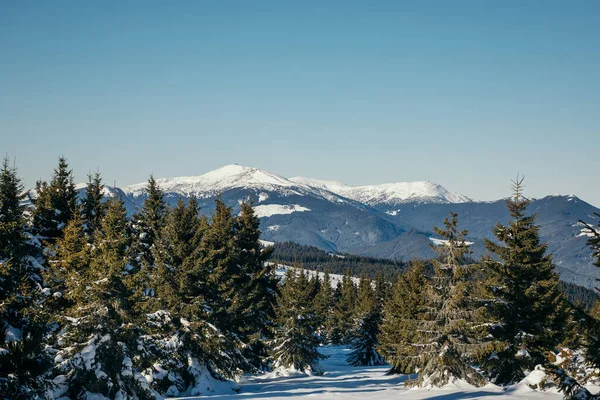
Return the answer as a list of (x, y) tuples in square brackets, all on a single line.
[(389, 193)]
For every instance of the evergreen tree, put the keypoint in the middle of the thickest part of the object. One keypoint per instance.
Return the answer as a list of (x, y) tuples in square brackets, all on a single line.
[(68, 262), (403, 310), (257, 286), (323, 305), (222, 278), (295, 340), (23, 358), (92, 206), (341, 331), (99, 341), (449, 332), (181, 349), (54, 203), (12, 221), (367, 326), (146, 229), (148, 224), (528, 312)]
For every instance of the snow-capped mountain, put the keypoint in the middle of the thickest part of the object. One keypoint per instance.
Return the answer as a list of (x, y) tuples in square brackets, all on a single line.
[(389, 221), (232, 177), (390, 194)]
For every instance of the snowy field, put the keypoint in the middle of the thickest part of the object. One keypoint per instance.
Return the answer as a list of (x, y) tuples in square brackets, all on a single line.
[(342, 381)]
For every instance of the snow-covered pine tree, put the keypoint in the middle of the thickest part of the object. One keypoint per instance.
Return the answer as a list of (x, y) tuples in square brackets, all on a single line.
[(92, 205), (181, 351), (528, 313), (367, 320), (450, 331), (222, 278), (257, 287), (68, 261), (568, 384), (403, 310), (145, 227), (99, 341), (343, 310), (323, 305), (24, 360), (295, 339), (54, 203)]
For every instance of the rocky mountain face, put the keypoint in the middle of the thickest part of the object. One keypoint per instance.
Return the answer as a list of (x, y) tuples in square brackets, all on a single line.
[(393, 220)]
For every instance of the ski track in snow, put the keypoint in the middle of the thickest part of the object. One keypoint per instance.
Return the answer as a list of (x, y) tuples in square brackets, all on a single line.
[(342, 381)]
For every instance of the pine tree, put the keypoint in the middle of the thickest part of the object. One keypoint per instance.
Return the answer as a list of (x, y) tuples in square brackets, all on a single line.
[(23, 358), (529, 308), (92, 205), (450, 330), (146, 228), (341, 331), (567, 384), (295, 340), (367, 322), (222, 278), (148, 224), (54, 203), (403, 311), (100, 339), (257, 286), (68, 262), (323, 305)]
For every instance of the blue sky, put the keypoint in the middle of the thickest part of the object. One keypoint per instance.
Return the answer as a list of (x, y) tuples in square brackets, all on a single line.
[(463, 93)]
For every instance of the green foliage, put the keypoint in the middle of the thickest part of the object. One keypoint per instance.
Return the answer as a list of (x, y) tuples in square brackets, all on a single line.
[(528, 313), (54, 203), (449, 332), (367, 321), (318, 260), (23, 358), (295, 340), (93, 207), (345, 301), (403, 309)]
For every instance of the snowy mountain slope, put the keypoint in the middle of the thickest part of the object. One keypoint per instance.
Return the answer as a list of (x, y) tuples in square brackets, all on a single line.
[(389, 194), (232, 177), (386, 221)]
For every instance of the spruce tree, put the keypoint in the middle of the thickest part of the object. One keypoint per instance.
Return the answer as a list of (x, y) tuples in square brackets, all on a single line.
[(181, 349), (528, 311), (99, 342), (54, 203), (146, 228), (366, 330), (257, 286), (147, 224), (222, 278), (450, 331), (12, 221), (295, 340), (92, 205), (341, 331), (323, 305), (403, 311), (23, 357), (69, 261)]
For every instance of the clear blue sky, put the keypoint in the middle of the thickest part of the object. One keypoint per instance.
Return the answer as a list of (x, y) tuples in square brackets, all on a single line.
[(463, 93)]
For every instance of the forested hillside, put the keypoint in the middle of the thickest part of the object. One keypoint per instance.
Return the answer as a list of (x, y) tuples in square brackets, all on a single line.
[(96, 304)]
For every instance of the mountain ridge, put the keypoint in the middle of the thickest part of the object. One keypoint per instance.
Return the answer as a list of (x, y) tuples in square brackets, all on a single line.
[(396, 225)]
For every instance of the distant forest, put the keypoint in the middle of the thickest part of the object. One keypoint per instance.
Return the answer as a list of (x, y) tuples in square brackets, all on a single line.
[(315, 259)]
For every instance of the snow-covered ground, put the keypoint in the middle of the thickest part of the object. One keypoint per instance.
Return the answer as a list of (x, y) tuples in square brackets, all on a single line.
[(342, 381)]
